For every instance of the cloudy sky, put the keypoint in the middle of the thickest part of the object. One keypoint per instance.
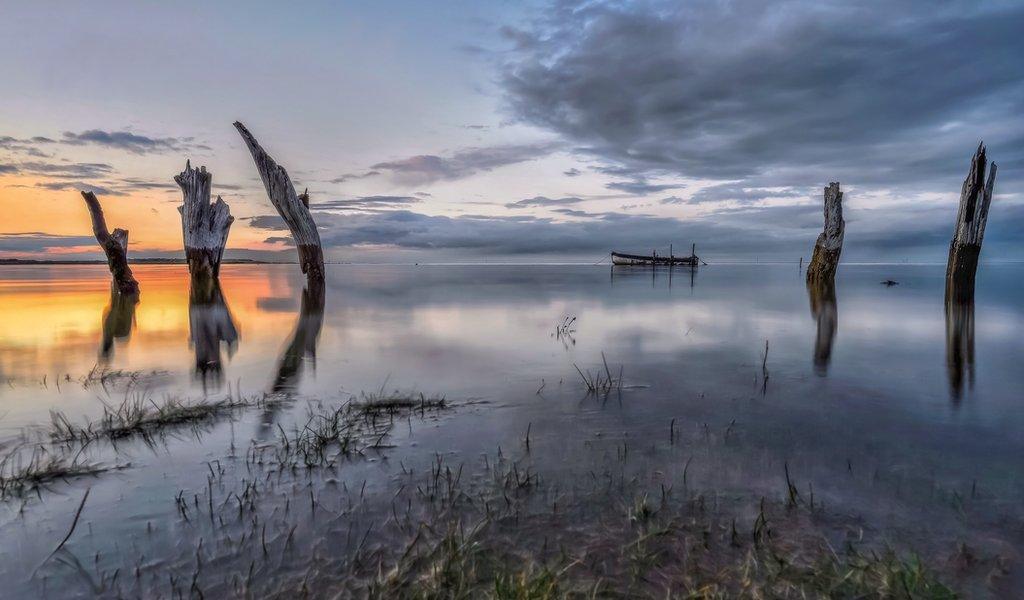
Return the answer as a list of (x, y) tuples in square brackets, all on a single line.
[(538, 131)]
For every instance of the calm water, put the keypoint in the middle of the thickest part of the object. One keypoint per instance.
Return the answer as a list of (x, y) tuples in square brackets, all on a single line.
[(874, 399)]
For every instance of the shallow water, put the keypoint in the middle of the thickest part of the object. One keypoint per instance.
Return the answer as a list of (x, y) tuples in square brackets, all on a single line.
[(876, 400)]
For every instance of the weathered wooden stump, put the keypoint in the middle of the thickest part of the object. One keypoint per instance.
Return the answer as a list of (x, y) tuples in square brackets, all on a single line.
[(822, 295), (964, 249), (115, 246), (302, 347), (829, 245), (210, 325), (204, 224), (293, 208)]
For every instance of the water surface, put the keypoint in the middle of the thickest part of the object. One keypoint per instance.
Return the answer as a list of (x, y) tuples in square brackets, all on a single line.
[(880, 400)]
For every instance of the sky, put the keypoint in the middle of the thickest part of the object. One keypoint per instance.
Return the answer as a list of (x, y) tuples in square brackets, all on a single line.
[(515, 132)]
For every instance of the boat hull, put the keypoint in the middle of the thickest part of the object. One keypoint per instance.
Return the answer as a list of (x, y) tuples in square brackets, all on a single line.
[(638, 260)]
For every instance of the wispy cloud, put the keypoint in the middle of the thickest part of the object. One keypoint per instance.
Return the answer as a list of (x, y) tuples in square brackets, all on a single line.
[(429, 168), (131, 142), (544, 201)]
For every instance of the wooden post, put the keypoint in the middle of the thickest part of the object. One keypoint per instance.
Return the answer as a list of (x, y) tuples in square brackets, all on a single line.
[(204, 225), (115, 246), (964, 249), (829, 245), (959, 344), (293, 208)]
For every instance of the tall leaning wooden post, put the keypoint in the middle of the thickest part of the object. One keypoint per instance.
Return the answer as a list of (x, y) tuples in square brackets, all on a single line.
[(293, 208), (115, 246), (964, 249), (204, 224), (829, 245)]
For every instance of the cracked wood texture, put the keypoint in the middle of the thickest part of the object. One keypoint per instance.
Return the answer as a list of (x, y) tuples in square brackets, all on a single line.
[(293, 208), (204, 224), (115, 246), (964, 249), (829, 245)]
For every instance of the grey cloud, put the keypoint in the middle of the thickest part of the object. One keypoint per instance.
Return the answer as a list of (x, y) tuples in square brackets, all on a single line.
[(351, 176), (544, 201), (62, 185), (8, 169), (365, 203), (640, 187), (788, 230), (428, 168), (36, 241), (739, 193), (791, 93), (672, 200), (68, 170), (573, 172), (131, 142)]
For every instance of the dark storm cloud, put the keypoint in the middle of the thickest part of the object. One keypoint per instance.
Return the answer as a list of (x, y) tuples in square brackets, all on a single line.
[(428, 168), (544, 201), (792, 93), (36, 241), (131, 142)]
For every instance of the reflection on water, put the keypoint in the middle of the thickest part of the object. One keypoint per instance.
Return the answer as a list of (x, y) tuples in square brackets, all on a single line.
[(210, 325), (877, 438), (118, 320), (822, 295), (959, 343), (301, 349)]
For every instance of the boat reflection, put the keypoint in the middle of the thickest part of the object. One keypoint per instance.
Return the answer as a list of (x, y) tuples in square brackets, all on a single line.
[(210, 324), (301, 350), (118, 322), (825, 312)]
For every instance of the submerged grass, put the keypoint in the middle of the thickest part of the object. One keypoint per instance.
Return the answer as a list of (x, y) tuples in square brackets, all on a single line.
[(24, 471), (138, 415)]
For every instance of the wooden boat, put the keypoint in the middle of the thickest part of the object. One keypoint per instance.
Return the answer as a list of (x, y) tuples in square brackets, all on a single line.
[(618, 258)]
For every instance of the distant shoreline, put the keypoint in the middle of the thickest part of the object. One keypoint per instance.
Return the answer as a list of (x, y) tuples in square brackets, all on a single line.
[(136, 261)]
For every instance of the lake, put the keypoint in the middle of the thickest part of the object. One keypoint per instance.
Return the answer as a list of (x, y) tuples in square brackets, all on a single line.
[(858, 419)]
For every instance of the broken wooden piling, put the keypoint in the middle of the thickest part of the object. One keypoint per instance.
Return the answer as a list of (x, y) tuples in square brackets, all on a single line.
[(829, 244), (965, 247), (204, 224), (293, 208), (115, 246)]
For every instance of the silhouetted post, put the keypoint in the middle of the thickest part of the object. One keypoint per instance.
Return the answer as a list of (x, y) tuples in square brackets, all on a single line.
[(829, 245), (204, 224), (964, 249), (293, 208), (115, 246)]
